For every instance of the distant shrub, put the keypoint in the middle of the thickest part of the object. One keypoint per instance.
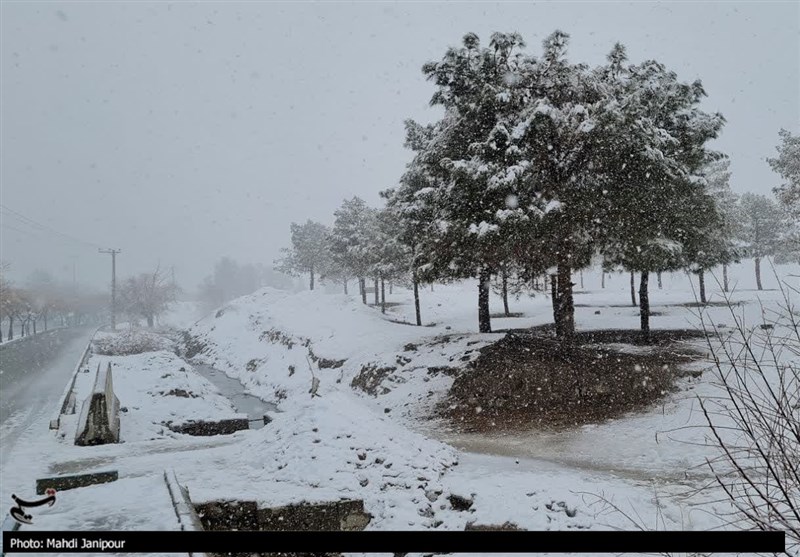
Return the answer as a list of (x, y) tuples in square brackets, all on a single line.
[(130, 342)]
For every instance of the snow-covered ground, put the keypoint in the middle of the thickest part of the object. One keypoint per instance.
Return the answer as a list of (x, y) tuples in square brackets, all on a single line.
[(355, 389)]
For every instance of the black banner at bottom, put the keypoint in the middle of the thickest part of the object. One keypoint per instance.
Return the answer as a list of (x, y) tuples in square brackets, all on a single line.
[(426, 541)]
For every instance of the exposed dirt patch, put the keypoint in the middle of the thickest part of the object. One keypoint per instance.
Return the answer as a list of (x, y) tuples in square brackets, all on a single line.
[(325, 363), (192, 346), (656, 338), (529, 379), (399, 322), (387, 304), (180, 393), (720, 304), (504, 316), (370, 379)]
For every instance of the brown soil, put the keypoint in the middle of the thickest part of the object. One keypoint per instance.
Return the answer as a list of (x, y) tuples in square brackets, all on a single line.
[(509, 316), (528, 379)]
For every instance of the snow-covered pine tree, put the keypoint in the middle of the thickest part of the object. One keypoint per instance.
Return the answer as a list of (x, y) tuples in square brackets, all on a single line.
[(761, 228), (722, 231), (310, 250), (606, 148), (555, 134), (469, 164), (548, 146), (393, 254), (718, 174), (787, 164), (788, 250), (413, 202), (352, 240), (648, 168), (707, 242)]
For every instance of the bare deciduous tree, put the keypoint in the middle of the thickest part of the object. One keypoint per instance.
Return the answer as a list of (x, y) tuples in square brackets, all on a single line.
[(148, 295), (756, 421)]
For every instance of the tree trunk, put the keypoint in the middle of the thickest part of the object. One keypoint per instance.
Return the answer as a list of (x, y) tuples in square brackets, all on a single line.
[(34, 326), (758, 274), (345, 286), (701, 276), (724, 277), (390, 287), (10, 327), (376, 291), (311, 273), (431, 287), (644, 304), (566, 305), (633, 289), (383, 296), (150, 321), (660, 285), (554, 299), (544, 280), (1, 331), (581, 273), (505, 294), (484, 317), (416, 300), (602, 279), (362, 283), (45, 322)]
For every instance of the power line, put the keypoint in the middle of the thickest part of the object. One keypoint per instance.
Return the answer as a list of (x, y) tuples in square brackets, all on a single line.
[(43, 227), (6, 225), (28, 233)]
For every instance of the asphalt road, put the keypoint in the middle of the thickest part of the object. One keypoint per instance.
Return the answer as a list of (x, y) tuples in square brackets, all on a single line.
[(33, 374)]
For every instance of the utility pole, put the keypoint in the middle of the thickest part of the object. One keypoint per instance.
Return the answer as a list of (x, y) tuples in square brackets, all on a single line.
[(113, 253), (74, 272)]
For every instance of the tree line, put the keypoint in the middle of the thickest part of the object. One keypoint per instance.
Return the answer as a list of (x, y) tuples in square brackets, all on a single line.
[(43, 302), (540, 164)]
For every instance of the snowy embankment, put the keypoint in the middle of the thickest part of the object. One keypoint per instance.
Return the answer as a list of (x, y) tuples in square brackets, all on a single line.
[(378, 378), (155, 387), (347, 443), (282, 345)]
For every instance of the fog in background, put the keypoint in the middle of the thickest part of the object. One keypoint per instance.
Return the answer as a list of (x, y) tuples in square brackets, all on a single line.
[(183, 132)]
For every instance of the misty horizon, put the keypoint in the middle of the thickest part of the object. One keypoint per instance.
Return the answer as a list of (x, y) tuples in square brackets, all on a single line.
[(181, 133)]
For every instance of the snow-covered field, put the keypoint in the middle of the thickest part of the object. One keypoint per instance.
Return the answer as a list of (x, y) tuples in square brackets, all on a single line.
[(355, 389)]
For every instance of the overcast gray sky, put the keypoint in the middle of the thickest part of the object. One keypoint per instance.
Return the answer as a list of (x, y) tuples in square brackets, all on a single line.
[(180, 132)]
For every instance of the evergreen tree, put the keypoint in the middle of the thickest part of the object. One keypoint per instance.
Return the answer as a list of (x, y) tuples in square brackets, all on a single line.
[(414, 207), (310, 251), (611, 150), (537, 157), (352, 241), (787, 164), (761, 228), (718, 177), (469, 164), (788, 249)]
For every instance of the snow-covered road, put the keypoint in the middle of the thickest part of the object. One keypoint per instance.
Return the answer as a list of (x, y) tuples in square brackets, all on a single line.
[(33, 374)]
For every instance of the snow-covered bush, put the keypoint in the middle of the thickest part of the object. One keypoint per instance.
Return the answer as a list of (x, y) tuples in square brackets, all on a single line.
[(130, 342)]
